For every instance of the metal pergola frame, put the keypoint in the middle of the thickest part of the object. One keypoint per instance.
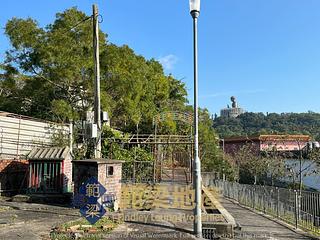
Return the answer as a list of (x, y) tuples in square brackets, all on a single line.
[(153, 141)]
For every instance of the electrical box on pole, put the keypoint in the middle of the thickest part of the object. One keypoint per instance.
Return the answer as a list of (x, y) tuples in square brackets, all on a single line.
[(91, 130)]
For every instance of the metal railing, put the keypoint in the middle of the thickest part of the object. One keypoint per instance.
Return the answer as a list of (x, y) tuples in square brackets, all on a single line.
[(301, 211)]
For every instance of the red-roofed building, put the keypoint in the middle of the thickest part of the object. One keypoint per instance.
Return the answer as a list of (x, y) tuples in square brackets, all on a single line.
[(261, 143)]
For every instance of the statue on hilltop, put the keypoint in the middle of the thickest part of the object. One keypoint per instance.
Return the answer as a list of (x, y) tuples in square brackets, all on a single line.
[(234, 102)]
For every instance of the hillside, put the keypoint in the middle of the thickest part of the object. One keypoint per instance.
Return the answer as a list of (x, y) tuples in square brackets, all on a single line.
[(273, 123)]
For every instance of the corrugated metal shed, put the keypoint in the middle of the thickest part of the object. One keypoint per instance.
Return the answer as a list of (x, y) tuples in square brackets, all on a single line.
[(54, 153)]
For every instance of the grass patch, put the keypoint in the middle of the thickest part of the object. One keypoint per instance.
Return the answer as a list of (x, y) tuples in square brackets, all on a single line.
[(83, 229)]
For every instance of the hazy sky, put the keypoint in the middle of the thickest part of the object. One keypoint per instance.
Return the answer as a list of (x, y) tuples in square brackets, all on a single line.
[(266, 53)]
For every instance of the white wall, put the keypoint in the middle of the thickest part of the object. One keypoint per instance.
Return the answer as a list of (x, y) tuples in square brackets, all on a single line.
[(19, 135)]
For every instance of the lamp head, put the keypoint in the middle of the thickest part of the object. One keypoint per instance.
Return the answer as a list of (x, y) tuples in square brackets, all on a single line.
[(194, 7)]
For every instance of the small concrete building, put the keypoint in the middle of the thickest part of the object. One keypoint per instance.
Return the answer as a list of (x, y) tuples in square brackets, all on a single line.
[(107, 171), (50, 170)]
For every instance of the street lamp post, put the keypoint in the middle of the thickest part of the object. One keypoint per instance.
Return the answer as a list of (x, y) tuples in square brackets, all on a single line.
[(195, 12)]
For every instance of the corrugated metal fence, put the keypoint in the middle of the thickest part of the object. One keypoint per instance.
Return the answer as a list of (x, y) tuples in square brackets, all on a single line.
[(20, 134)]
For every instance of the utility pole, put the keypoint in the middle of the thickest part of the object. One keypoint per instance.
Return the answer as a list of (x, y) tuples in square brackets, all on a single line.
[(97, 107)]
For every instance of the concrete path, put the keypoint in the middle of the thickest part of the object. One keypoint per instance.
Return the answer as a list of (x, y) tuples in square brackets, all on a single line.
[(255, 226)]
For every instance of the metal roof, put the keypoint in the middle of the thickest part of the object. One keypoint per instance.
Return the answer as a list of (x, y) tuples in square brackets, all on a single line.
[(53, 153)]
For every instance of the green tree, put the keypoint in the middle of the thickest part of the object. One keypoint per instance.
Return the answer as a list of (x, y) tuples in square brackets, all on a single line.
[(211, 156), (48, 73)]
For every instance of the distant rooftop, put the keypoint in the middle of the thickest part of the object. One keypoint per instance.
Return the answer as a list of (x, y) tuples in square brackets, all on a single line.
[(270, 137)]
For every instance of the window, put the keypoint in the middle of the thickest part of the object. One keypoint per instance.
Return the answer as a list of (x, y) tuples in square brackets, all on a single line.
[(109, 170)]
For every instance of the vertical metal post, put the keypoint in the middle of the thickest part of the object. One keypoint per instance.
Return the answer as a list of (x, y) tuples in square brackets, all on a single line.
[(278, 202), (134, 170), (197, 166), (154, 172), (97, 107), (264, 202), (53, 176), (316, 209), (248, 195), (254, 198), (172, 164), (45, 176), (40, 175), (71, 137), (30, 175), (313, 208), (50, 175), (191, 161), (155, 152), (296, 208)]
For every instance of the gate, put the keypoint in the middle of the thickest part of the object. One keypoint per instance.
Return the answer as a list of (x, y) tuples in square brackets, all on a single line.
[(50, 170), (45, 177)]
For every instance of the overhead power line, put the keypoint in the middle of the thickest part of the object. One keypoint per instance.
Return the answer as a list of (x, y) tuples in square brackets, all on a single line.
[(78, 23)]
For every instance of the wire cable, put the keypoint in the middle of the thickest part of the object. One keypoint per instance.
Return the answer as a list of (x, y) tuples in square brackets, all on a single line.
[(78, 23)]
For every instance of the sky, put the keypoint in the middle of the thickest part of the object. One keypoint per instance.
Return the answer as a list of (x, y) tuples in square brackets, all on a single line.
[(266, 53)]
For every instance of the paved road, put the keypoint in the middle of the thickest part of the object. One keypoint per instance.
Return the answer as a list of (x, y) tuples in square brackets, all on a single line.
[(27, 221), (153, 225), (255, 226), (34, 221)]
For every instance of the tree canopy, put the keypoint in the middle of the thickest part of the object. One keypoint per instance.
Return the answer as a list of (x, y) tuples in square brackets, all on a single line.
[(272, 123), (48, 73)]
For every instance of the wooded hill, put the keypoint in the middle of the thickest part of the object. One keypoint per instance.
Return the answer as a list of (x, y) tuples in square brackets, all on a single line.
[(272, 123)]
